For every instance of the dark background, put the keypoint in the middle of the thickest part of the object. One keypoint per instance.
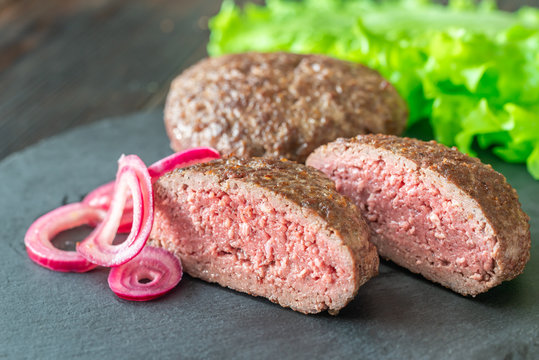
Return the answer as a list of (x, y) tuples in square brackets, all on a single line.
[(67, 63)]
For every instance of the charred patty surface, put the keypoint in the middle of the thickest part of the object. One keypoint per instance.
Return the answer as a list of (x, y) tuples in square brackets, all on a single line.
[(278, 104)]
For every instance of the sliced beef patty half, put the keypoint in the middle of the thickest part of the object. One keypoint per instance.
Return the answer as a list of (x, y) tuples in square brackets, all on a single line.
[(432, 209), (269, 228)]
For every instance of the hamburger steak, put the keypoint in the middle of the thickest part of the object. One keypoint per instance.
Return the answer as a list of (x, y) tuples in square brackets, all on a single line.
[(432, 209), (268, 228), (278, 104)]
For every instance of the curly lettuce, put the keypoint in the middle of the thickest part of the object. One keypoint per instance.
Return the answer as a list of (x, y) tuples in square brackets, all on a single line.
[(472, 70)]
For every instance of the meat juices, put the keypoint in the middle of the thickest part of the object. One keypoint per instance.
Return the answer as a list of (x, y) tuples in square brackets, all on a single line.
[(278, 104), (432, 209), (265, 227)]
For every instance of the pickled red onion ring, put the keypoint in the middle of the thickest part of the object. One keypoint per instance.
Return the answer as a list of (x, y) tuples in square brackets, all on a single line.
[(44, 229), (160, 268), (102, 196), (98, 247), (182, 159)]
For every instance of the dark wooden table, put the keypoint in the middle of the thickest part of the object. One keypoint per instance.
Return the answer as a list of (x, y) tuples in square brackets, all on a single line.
[(67, 63)]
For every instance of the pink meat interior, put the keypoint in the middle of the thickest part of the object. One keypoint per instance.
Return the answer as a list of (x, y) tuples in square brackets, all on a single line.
[(414, 221), (241, 240)]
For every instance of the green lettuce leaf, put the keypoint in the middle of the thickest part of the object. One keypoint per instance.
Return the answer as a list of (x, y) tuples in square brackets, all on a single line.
[(472, 70)]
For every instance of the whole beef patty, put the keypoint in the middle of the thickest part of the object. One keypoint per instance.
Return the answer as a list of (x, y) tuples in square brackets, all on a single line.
[(278, 104), (265, 227), (432, 209)]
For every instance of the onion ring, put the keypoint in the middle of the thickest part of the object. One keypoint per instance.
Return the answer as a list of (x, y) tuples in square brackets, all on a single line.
[(98, 248), (182, 159), (102, 196), (38, 237), (161, 269)]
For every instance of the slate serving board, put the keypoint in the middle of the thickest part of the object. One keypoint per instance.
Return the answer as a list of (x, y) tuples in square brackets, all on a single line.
[(49, 315)]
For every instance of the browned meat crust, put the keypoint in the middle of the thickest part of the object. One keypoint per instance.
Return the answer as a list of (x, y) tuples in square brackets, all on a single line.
[(278, 104)]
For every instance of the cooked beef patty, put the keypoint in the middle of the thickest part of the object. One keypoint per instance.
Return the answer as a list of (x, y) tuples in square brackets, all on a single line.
[(278, 104), (265, 227), (432, 209)]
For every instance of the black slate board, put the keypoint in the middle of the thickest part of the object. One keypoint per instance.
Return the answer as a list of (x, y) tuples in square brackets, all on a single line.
[(49, 315)]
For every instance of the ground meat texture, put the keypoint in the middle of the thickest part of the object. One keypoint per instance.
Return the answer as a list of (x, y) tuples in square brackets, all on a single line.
[(265, 227), (278, 104), (432, 209)]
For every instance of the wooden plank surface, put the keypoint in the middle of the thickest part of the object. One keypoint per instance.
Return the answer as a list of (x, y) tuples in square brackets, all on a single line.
[(66, 63)]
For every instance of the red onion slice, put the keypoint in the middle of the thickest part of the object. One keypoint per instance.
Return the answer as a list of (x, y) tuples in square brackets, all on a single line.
[(102, 196), (98, 247), (182, 159), (152, 273), (43, 230)]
